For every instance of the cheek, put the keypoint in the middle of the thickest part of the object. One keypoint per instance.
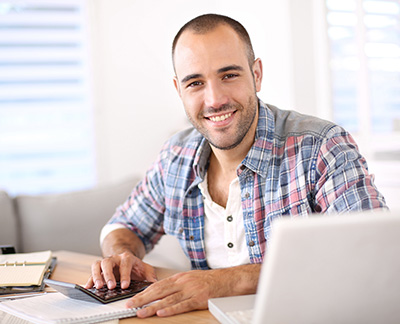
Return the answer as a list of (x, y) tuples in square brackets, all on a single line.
[(192, 104)]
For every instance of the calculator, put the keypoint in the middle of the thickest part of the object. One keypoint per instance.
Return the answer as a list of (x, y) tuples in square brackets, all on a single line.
[(102, 295)]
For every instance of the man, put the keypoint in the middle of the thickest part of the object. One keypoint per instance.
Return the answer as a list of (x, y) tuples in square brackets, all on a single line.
[(218, 187)]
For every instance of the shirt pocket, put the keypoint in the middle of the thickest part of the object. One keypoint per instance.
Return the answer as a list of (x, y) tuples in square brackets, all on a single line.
[(300, 208)]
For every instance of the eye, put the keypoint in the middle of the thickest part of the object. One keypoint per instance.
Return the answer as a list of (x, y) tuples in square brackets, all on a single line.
[(194, 84), (230, 76)]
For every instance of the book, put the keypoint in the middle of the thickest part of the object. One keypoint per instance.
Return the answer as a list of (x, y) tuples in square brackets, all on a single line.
[(53, 308), (24, 290), (24, 269)]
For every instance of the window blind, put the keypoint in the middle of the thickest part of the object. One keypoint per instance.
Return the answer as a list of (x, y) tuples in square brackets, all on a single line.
[(364, 40), (46, 117)]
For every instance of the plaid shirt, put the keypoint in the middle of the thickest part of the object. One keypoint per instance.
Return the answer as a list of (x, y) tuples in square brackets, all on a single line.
[(297, 165)]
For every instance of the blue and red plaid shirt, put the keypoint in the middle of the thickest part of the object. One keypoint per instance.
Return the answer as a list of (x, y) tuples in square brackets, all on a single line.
[(297, 165)]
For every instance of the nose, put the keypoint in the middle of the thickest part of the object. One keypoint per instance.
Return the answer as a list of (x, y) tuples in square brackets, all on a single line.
[(214, 95)]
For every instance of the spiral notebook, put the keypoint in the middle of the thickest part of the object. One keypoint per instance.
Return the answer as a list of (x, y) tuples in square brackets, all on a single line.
[(53, 308), (23, 269)]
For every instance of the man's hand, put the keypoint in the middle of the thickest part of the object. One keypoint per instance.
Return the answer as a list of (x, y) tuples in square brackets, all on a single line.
[(123, 267), (191, 290), (122, 250)]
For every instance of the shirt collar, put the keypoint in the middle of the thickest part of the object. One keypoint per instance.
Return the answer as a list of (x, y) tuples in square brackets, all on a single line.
[(201, 160), (259, 154)]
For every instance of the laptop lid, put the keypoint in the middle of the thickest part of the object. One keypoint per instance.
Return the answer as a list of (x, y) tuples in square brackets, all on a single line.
[(331, 269)]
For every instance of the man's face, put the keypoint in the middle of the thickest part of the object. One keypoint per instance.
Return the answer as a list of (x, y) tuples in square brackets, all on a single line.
[(217, 86)]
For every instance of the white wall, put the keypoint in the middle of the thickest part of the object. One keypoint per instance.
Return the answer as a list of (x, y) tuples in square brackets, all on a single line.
[(136, 105)]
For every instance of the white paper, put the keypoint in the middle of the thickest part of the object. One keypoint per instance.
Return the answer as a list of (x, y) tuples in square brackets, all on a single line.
[(57, 308)]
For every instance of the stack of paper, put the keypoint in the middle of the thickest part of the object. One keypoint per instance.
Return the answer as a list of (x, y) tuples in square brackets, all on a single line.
[(57, 308)]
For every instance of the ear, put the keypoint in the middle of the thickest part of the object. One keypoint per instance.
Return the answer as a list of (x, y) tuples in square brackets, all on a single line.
[(258, 74), (177, 87)]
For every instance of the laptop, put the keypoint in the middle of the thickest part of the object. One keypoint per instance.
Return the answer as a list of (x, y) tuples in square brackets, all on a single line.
[(324, 269)]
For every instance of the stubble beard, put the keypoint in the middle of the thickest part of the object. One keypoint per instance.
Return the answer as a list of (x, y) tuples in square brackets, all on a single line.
[(245, 123)]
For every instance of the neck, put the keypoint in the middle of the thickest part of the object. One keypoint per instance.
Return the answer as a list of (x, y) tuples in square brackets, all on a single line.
[(227, 161)]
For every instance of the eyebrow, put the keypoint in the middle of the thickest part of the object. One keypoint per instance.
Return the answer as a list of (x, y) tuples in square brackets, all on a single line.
[(230, 68), (190, 77), (221, 70)]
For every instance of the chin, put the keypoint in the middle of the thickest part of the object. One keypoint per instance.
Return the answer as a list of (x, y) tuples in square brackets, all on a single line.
[(225, 146)]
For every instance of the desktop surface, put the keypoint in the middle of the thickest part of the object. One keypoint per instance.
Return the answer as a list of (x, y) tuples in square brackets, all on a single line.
[(75, 267)]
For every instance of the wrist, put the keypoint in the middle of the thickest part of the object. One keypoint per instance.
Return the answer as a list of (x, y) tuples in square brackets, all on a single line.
[(122, 241), (239, 280)]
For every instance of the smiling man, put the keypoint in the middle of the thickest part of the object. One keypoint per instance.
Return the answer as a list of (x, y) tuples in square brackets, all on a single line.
[(218, 186)]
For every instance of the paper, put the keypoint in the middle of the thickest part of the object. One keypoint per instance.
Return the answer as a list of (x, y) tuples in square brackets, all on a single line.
[(25, 258), (57, 308), (23, 269), (10, 319)]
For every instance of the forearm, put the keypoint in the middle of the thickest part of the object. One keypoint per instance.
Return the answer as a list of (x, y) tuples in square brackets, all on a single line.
[(120, 241), (240, 280), (187, 291)]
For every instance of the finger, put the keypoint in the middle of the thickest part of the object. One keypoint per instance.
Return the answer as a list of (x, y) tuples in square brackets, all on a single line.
[(156, 291), (182, 307), (89, 283), (97, 277), (174, 304), (107, 266), (138, 269), (125, 270), (150, 273)]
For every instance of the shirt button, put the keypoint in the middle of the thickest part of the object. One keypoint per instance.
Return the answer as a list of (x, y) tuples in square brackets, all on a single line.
[(191, 237), (251, 243), (247, 195), (229, 218), (180, 230), (230, 245)]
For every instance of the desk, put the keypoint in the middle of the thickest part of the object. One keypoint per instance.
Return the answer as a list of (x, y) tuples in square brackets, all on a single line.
[(75, 267)]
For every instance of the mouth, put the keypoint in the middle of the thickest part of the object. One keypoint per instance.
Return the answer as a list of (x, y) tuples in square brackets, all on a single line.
[(220, 118)]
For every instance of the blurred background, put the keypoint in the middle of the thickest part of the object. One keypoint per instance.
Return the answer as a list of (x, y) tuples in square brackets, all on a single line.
[(86, 92)]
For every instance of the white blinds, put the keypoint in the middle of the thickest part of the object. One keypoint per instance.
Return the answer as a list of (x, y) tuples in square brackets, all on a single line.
[(46, 126), (365, 64)]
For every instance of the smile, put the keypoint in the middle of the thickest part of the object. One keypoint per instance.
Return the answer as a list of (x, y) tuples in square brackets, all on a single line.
[(220, 118)]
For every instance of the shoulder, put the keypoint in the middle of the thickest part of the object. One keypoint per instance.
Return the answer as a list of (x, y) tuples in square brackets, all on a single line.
[(188, 139), (290, 123), (182, 147), (189, 136), (316, 135)]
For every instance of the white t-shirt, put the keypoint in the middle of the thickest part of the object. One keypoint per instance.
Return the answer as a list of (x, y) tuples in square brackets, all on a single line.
[(224, 233)]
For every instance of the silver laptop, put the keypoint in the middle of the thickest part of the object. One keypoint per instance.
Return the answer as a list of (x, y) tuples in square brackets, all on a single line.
[(325, 269)]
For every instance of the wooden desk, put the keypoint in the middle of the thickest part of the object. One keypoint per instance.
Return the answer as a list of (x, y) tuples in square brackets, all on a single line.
[(75, 267)]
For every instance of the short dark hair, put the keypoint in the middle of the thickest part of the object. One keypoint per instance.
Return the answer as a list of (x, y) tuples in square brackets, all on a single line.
[(208, 22)]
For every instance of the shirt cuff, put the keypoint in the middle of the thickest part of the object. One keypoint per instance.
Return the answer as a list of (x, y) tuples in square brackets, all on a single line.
[(107, 229)]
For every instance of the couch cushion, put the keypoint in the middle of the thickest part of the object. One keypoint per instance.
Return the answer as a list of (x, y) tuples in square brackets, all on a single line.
[(8, 221), (69, 221)]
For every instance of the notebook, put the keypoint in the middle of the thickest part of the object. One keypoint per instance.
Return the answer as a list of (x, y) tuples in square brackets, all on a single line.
[(53, 308), (23, 269), (325, 269)]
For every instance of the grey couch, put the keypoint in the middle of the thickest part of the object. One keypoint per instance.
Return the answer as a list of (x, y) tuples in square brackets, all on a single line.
[(73, 221)]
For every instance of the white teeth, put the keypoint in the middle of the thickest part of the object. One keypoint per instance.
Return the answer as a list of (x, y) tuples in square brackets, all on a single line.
[(220, 118)]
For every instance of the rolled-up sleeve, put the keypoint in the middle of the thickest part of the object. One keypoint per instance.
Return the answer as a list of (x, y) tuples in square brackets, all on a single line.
[(343, 182)]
